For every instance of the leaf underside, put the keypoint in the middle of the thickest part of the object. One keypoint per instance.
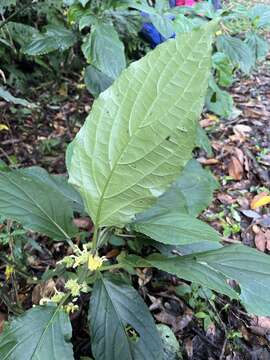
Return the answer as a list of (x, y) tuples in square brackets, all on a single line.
[(142, 130)]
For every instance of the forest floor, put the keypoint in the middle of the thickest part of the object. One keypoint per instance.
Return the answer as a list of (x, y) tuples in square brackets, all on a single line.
[(206, 327)]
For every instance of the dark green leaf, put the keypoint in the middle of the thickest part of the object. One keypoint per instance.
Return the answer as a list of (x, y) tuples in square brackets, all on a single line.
[(224, 69), (104, 50), (55, 38), (35, 204), (203, 141), (120, 323), (258, 45), (219, 101), (174, 228), (42, 333), (96, 81), (249, 267), (59, 183), (237, 51)]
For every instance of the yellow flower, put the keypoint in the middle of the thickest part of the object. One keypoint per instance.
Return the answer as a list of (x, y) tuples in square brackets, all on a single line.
[(9, 271), (71, 308), (94, 262), (74, 287)]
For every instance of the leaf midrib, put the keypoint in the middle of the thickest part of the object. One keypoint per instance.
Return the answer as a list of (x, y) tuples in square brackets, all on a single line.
[(130, 138)]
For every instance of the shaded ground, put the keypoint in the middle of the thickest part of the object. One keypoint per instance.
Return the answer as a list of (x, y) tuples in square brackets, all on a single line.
[(206, 327)]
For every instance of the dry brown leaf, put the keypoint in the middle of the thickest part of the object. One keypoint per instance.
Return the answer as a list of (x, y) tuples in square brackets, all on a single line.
[(262, 240), (83, 223), (225, 198), (205, 161), (44, 290), (235, 168)]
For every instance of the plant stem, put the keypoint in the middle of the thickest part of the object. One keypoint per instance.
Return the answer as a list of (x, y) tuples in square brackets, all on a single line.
[(111, 267), (94, 241)]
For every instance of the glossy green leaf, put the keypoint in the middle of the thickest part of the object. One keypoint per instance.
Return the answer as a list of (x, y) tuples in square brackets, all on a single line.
[(35, 204), (104, 50), (174, 228), (142, 130), (42, 333), (121, 325), (237, 51), (55, 38)]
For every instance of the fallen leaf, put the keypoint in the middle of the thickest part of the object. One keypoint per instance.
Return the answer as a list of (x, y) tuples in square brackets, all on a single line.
[(205, 161), (262, 240), (225, 199), (83, 223), (3, 127), (260, 200), (242, 130), (45, 290), (235, 168)]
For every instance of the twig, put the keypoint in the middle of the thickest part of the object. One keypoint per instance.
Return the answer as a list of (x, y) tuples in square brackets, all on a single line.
[(223, 349)]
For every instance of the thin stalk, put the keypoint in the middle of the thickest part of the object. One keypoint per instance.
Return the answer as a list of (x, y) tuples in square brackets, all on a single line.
[(111, 267), (94, 241)]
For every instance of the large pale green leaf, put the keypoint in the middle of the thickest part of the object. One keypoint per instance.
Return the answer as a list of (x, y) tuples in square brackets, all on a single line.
[(249, 267), (174, 228), (35, 204), (42, 333), (104, 50), (116, 309), (142, 130)]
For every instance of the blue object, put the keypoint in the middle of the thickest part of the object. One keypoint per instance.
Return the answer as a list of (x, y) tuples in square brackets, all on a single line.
[(150, 34), (217, 4)]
